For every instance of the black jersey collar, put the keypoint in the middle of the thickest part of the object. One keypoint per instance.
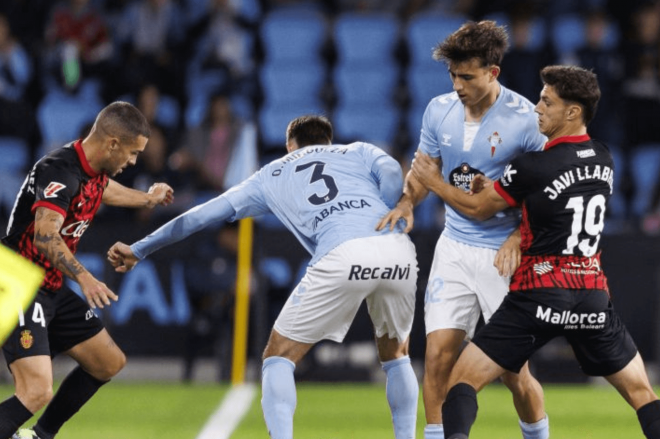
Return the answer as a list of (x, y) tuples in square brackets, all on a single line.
[(77, 145), (567, 139)]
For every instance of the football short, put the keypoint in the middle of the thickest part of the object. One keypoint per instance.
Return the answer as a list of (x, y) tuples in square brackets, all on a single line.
[(54, 323), (463, 285), (527, 320), (381, 270)]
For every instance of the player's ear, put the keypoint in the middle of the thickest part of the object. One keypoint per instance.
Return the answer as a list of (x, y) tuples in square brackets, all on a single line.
[(494, 71), (573, 112)]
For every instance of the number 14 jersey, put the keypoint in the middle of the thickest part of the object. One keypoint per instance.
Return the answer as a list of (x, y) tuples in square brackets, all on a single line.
[(563, 192)]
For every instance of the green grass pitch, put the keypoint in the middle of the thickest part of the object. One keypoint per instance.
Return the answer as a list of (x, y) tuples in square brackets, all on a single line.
[(128, 410)]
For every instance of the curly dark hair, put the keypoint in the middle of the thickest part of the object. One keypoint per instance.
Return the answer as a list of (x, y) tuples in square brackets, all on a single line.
[(574, 84), (484, 40), (309, 130)]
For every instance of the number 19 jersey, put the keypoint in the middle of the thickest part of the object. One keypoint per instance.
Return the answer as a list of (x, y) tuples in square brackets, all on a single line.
[(563, 192), (325, 195)]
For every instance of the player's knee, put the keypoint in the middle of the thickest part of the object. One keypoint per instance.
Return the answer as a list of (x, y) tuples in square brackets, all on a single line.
[(36, 396), (111, 367)]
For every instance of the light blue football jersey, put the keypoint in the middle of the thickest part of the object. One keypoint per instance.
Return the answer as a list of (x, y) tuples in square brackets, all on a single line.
[(509, 128), (325, 195)]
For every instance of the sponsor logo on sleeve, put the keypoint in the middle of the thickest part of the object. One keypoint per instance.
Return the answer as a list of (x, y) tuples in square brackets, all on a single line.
[(52, 189)]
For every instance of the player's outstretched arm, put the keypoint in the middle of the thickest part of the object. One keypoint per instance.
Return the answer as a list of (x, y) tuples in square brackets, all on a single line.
[(121, 257), (48, 240), (117, 194)]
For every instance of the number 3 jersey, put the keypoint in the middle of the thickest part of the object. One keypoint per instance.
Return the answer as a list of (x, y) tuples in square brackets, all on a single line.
[(563, 192), (64, 182), (325, 195)]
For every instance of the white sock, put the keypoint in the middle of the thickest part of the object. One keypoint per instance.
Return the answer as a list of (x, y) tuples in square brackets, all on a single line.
[(278, 400), (402, 391), (434, 431), (536, 430)]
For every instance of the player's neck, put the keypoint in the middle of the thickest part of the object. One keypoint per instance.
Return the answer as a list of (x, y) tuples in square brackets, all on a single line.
[(93, 152), (475, 112), (568, 131)]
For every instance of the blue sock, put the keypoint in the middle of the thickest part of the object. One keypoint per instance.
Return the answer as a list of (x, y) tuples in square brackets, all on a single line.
[(402, 391), (537, 430), (434, 431), (278, 400)]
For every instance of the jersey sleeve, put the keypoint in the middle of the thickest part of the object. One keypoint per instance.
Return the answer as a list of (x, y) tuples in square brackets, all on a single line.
[(532, 139), (55, 186), (428, 142), (517, 181), (248, 198), (387, 173)]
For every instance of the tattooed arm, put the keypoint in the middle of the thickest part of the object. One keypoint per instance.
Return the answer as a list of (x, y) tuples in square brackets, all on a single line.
[(49, 242)]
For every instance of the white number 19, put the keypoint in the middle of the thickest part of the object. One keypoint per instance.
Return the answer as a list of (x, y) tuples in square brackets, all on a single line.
[(592, 222)]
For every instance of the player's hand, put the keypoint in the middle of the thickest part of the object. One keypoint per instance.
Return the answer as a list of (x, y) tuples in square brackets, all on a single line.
[(160, 193), (401, 210), (122, 258), (508, 256), (426, 170), (96, 292), (479, 183)]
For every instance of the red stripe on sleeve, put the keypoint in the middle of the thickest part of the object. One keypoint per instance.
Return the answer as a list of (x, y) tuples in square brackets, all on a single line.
[(50, 206), (504, 194)]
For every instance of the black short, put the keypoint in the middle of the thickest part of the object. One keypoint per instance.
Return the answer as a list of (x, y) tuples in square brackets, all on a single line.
[(54, 323), (526, 321)]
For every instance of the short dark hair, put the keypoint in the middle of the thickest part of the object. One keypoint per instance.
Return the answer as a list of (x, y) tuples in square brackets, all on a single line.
[(124, 121), (483, 40), (309, 130), (574, 84)]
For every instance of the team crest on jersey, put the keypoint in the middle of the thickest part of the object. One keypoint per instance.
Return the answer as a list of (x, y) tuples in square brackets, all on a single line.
[(494, 140), (26, 339), (52, 189)]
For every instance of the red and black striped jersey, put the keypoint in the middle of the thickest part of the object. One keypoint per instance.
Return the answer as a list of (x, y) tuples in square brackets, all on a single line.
[(64, 182), (563, 192)]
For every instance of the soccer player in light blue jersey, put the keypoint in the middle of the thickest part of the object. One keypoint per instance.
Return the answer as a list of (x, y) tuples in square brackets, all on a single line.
[(330, 197), (476, 129)]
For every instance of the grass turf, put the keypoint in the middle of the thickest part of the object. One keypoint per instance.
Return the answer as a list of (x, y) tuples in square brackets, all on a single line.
[(128, 410)]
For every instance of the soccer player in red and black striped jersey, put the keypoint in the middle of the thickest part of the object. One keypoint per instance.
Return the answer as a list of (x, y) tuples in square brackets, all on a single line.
[(54, 207), (559, 288)]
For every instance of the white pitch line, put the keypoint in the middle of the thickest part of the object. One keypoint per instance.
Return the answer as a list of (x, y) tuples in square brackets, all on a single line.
[(226, 418)]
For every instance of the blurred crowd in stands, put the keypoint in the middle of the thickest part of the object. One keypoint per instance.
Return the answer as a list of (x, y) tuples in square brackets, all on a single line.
[(206, 72)]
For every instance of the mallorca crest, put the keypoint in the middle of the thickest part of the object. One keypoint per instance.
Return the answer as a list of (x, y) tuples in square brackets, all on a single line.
[(26, 339)]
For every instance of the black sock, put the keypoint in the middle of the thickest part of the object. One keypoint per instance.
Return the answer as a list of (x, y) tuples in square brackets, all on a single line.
[(649, 419), (76, 389), (13, 414), (459, 411)]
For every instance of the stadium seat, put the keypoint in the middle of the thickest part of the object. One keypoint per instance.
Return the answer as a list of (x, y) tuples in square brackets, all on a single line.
[(567, 34), (365, 123), (365, 84), (293, 34), (15, 154), (274, 118), (645, 173), (538, 29), (425, 31), (366, 38), (292, 81), (426, 82), (62, 116)]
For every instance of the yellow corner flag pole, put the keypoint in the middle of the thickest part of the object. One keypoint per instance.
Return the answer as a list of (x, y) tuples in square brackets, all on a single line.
[(242, 308), (19, 282)]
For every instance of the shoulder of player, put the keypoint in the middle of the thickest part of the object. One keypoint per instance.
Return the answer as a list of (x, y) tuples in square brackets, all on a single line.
[(516, 105), (443, 102)]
